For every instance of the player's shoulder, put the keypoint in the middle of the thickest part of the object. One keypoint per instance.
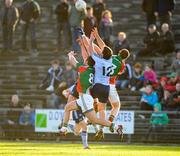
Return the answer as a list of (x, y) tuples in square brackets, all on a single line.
[(96, 55), (82, 67), (116, 58)]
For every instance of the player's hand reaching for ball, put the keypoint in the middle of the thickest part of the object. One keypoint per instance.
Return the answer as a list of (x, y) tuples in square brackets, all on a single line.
[(71, 53)]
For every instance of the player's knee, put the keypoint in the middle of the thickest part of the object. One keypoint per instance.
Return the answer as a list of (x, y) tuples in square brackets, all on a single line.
[(93, 120), (76, 133), (83, 126), (116, 105)]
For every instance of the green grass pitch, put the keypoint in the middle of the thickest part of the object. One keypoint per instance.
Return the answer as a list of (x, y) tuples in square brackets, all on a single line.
[(67, 149)]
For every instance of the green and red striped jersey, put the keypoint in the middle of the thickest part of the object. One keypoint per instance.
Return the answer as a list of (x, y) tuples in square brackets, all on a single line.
[(85, 78)]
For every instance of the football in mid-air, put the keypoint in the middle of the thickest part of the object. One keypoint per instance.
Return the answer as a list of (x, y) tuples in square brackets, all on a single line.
[(80, 5)]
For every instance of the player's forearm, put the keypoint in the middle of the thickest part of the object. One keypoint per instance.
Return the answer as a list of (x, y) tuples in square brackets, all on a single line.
[(87, 50), (85, 54), (100, 42), (97, 49), (91, 46), (73, 60), (84, 48)]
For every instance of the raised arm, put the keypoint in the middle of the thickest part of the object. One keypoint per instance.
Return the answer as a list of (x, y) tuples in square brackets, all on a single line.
[(84, 43), (100, 42), (72, 59), (91, 41)]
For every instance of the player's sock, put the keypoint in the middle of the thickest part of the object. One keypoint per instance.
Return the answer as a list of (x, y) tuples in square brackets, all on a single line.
[(84, 137), (95, 127), (64, 125), (111, 118), (111, 128), (71, 127)]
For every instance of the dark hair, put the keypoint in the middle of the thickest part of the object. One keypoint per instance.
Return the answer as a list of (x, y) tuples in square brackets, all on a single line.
[(88, 8), (152, 26), (55, 62), (90, 61), (124, 54), (107, 53), (138, 65)]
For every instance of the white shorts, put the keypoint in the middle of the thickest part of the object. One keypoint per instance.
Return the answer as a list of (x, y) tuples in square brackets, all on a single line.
[(86, 102), (113, 95)]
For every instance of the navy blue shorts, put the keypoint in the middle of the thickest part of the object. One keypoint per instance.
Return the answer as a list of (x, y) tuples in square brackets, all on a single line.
[(78, 116), (101, 92), (74, 92)]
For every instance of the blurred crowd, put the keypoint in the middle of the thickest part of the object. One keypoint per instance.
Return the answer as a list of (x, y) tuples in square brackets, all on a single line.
[(19, 123)]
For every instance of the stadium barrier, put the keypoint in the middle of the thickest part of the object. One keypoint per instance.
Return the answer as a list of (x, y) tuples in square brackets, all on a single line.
[(142, 129)]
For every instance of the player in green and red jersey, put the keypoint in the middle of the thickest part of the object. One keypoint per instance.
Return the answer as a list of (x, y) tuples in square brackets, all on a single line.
[(118, 63), (85, 79), (80, 126), (85, 101)]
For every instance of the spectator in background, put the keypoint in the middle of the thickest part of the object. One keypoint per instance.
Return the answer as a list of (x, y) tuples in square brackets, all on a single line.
[(68, 79), (165, 100), (163, 10), (69, 75), (174, 99), (171, 100), (161, 87), (76, 20), (121, 43), (171, 82), (11, 126), (148, 6), (137, 79), (89, 22), (148, 99), (63, 28), (106, 27), (166, 40), (150, 76), (29, 13), (26, 121), (52, 83), (158, 120), (123, 80), (8, 17), (98, 8), (53, 76), (176, 63), (150, 42)]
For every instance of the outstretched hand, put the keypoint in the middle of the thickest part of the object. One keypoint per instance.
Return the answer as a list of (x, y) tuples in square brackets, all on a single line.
[(71, 53)]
